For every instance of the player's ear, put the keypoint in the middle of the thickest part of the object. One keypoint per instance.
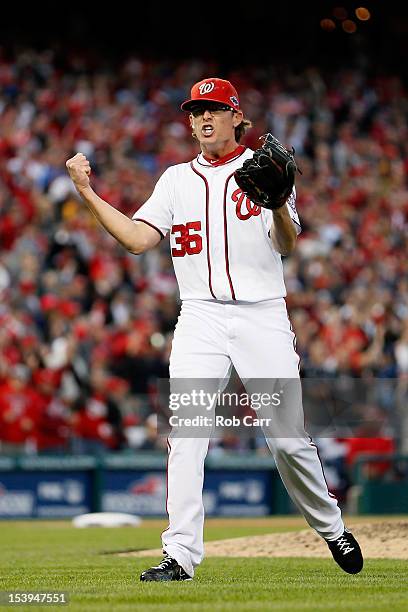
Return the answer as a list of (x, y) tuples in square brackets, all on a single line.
[(237, 118), (190, 117)]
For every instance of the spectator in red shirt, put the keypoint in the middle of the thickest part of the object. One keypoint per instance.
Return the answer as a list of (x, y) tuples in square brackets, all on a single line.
[(18, 410), (370, 438)]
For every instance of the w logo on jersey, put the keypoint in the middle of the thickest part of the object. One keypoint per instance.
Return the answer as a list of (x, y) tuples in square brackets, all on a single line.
[(245, 209), (205, 88)]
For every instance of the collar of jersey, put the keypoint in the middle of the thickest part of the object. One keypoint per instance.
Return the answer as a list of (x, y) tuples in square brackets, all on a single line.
[(214, 163)]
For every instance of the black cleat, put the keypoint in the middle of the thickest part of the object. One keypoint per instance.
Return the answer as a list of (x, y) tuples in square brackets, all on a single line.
[(168, 569), (346, 552)]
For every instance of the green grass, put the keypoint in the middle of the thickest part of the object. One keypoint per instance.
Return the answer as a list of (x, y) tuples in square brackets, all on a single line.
[(56, 557)]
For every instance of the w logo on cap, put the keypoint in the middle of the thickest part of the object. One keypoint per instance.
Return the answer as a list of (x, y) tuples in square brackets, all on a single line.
[(205, 88)]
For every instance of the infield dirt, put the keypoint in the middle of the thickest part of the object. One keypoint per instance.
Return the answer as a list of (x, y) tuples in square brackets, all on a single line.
[(379, 539)]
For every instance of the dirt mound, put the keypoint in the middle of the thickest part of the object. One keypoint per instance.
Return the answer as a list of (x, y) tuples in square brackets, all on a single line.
[(378, 540)]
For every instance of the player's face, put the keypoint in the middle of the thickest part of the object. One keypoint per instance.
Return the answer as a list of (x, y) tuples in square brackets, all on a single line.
[(214, 127)]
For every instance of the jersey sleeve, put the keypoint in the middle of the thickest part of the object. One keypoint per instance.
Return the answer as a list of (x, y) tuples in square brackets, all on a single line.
[(157, 211), (291, 206)]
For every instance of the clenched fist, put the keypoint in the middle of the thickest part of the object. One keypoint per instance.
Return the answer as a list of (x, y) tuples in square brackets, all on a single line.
[(79, 170)]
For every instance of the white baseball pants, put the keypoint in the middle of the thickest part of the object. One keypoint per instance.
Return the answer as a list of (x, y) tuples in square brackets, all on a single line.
[(257, 339)]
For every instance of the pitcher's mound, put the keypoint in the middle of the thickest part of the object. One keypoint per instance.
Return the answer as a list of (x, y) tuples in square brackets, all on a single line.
[(378, 540)]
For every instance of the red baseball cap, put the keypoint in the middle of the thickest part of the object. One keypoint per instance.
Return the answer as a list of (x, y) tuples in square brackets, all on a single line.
[(212, 90)]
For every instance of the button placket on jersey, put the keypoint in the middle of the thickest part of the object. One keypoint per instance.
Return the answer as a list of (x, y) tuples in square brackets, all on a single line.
[(217, 238)]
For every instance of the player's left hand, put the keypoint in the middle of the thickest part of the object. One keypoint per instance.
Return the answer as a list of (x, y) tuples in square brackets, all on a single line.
[(267, 178)]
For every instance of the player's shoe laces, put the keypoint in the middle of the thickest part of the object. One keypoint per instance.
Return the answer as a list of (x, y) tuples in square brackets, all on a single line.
[(347, 552), (168, 569)]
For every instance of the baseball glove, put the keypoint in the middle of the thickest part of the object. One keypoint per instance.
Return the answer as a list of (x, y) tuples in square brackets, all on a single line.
[(267, 178)]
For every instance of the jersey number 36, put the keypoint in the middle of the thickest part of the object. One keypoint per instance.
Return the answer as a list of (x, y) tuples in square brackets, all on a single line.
[(188, 243)]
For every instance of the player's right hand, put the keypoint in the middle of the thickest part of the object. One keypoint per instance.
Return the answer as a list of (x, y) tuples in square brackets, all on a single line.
[(79, 170)]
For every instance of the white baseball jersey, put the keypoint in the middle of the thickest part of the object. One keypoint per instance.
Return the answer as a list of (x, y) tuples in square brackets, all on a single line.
[(219, 239)]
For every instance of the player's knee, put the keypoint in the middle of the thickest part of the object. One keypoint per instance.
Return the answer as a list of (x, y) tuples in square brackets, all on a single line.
[(282, 446), (288, 447)]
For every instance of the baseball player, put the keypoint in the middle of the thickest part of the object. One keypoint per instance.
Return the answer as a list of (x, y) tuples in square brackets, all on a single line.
[(226, 249)]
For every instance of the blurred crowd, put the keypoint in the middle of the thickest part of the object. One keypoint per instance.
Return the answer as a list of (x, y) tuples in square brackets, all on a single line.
[(86, 328)]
